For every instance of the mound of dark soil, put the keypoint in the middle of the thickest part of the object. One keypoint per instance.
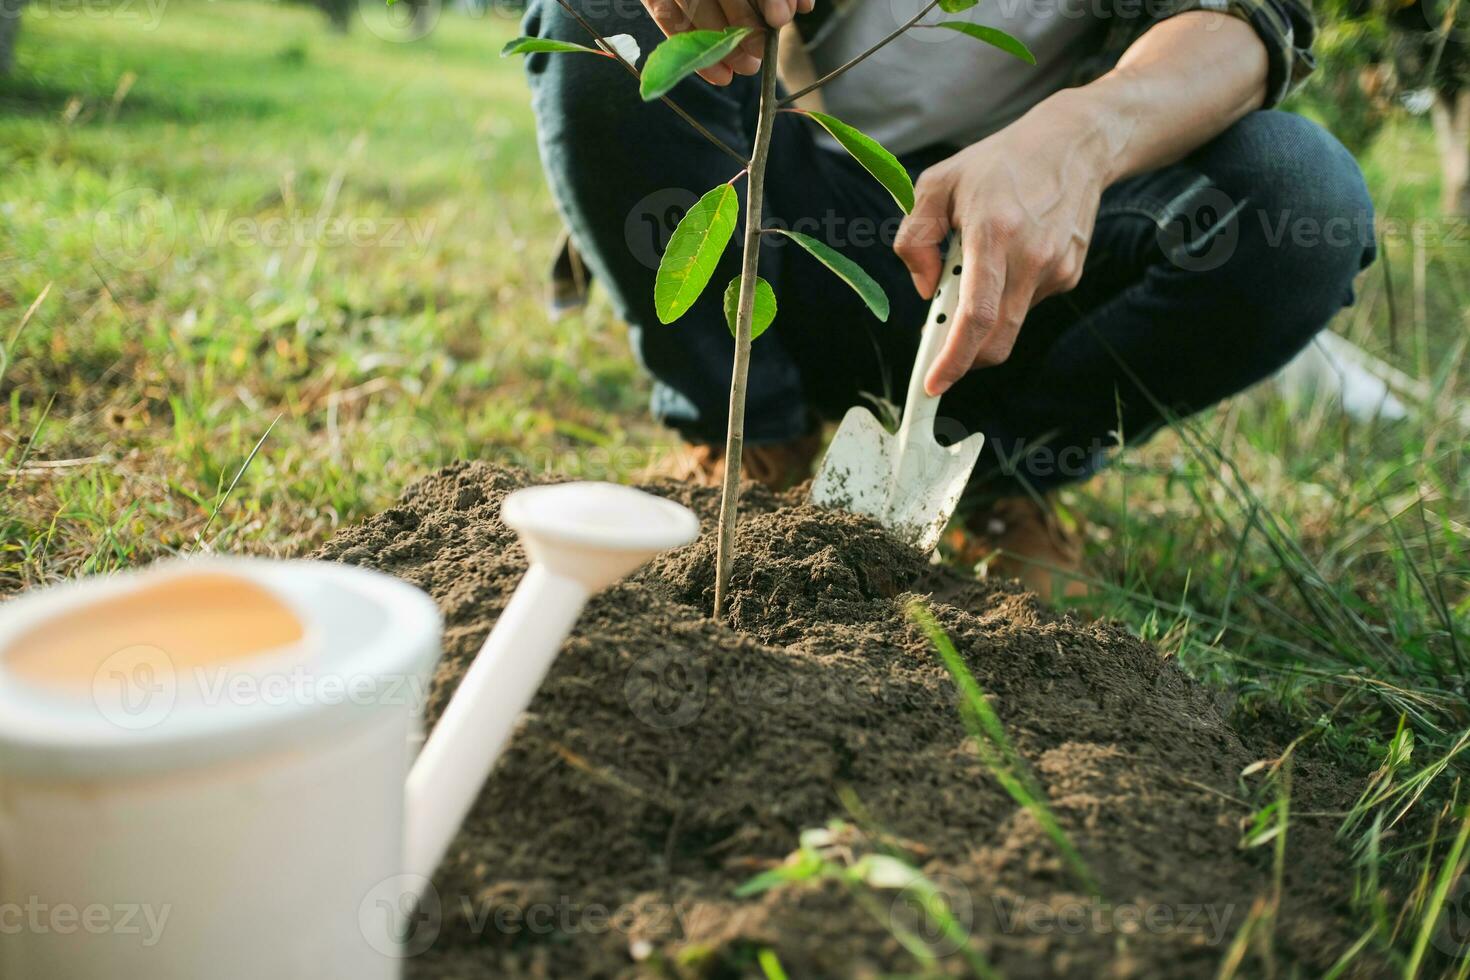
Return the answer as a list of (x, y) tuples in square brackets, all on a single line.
[(668, 759)]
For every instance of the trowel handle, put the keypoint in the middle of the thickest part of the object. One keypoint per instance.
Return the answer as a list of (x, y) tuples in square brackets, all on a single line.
[(920, 408)]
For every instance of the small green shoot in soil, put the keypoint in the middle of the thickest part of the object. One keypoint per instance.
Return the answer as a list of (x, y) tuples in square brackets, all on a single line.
[(829, 853), (1269, 825), (770, 964), (1004, 762)]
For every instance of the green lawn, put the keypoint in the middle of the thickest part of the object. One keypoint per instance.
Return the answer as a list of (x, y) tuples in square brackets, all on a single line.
[(239, 216), (232, 225)]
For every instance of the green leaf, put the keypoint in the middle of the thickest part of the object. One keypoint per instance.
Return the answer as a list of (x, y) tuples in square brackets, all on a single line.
[(955, 6), (991, 36), (801, 866), (871, 154), (846, 269), (682, 55), (1264, 826), (694, 251), (765, 306), (532, 45), (770, 964)]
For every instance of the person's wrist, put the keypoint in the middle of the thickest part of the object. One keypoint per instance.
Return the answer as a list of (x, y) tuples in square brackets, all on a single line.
[(1094, 129)]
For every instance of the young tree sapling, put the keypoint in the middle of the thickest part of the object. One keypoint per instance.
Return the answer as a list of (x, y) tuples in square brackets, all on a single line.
[(704, 232)]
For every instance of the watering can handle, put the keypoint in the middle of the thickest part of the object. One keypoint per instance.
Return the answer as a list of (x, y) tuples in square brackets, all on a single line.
[(447, 778), (920, 408), (580, 538)]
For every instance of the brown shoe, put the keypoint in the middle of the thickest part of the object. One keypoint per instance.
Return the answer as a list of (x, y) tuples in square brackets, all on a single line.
[(778, 465), (1020, 538), (570, 280)]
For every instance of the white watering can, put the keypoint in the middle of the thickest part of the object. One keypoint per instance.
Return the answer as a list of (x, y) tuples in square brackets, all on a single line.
[(202, 765)]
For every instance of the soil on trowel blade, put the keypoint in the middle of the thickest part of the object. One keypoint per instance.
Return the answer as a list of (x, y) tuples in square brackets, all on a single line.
[(669, 759)]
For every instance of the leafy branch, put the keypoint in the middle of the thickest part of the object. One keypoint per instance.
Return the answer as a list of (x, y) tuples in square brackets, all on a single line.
[(617, 55), (865, 55), (989, 35)]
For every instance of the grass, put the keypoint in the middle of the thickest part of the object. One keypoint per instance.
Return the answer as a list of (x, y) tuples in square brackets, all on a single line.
[(1000, 757), (227, 234), (226, 142)]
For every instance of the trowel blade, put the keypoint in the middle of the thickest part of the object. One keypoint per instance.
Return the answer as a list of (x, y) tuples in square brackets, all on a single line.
[(925, 491), (856, 474)]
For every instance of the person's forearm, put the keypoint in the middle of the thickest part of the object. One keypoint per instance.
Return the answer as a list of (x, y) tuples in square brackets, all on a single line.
[(1179, 86), (1025, 199)]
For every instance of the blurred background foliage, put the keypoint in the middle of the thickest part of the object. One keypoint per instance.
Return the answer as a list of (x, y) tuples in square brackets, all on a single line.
[(1380, 57)]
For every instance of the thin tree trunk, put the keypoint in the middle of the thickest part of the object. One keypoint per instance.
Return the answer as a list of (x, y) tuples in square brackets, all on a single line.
[(735, 438), (1452, 132), (9, 27)]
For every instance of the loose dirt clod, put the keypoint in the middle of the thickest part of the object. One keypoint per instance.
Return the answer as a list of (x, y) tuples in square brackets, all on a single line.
[(668, 759)]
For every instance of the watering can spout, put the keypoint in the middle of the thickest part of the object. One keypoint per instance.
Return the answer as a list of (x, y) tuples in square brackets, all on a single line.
[(580, 538)]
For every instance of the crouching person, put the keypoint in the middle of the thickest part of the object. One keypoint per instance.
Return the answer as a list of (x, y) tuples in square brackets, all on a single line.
[(1130, 208)]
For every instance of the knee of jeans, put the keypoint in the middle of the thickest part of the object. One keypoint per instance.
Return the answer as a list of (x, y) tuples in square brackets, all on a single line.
[(1305, 217), (551, 19), (581, 95)]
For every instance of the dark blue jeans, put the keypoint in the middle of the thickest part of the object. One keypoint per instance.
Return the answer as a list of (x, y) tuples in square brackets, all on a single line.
[(1202, 278)]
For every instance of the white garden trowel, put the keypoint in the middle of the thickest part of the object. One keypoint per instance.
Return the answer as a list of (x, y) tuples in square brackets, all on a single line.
[(906, 480)]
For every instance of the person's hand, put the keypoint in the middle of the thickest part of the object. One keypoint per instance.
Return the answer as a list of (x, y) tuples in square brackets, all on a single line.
[(1024, 201), (676, 16)]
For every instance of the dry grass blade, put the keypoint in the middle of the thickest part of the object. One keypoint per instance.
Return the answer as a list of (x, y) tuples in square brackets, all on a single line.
[(199, 539)]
